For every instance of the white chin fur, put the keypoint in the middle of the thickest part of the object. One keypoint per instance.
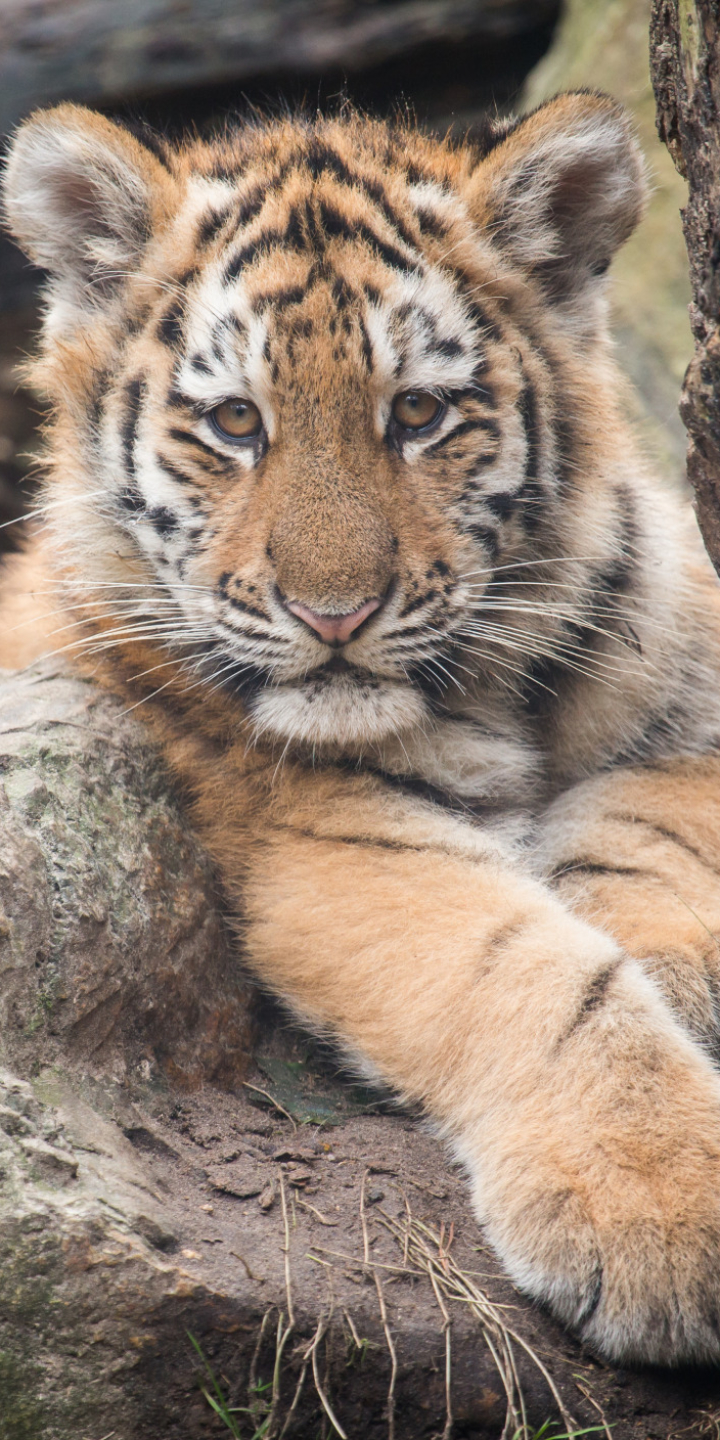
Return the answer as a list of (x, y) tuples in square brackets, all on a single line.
[(344, 713)]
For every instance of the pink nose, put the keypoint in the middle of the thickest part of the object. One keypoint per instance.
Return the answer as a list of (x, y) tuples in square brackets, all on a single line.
[(334, 629)]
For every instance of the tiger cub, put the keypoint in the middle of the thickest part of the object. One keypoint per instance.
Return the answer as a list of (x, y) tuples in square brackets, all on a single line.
[(341, 489)]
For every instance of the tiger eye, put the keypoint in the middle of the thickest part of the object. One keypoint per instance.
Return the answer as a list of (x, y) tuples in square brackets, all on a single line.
[(237, 419), (416, 409)]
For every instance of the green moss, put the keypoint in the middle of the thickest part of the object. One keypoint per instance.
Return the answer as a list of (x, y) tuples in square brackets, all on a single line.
[(22, 1415)]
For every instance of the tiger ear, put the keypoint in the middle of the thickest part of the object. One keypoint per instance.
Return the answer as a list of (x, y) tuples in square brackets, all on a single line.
[(562, 191), (81, 198)]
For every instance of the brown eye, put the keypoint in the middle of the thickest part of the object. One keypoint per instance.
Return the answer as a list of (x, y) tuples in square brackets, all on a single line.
[(237, 419), (416, 409)]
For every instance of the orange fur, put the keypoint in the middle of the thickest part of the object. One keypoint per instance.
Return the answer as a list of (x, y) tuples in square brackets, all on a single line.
[(478, 841)]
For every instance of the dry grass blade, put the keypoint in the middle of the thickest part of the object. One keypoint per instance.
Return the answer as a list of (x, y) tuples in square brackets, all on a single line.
[(253, 1376), (283, 1334), (426, 1252), (383, 1313), (311, 1355), (273, 1101), (447, 1328), (596, 1406)]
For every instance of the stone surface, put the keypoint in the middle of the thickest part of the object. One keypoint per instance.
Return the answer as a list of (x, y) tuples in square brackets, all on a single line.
[(113, 949), (119, 1248), (153, 1187), (89, 50)]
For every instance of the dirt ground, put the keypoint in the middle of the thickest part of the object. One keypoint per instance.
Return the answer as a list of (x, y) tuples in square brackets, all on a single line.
[(270, 1212)]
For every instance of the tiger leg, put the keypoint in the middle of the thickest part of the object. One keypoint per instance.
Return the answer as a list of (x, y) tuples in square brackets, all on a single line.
[(588, 1119), (637, 852)]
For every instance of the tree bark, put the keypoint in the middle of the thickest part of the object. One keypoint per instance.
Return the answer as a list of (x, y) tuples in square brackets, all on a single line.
[(685, 63)]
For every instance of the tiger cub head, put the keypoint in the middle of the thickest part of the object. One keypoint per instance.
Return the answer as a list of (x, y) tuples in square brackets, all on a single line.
[(317, 385)]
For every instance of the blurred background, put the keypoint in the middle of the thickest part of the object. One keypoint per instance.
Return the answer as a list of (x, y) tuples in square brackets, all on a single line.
[(179, 63)]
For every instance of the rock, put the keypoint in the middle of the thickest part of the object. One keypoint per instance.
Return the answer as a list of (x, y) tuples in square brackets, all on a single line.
[(113, 950), (111, 1258), (87, 50)]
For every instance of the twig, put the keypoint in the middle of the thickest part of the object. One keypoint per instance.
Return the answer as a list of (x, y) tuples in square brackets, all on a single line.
[(383, 1314), (272, 1100), (447, 1327), (286, 1250), (305, 1205), (296, 1397), (311, 1354), (237, 1256), (426, 1250), (351, 1326), (363, 1221), (596, 1406), (368, 1264), (283, 1335), (252, 1378)]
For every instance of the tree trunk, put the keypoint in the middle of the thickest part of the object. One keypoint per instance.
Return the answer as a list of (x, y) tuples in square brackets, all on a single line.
[(685, 62)]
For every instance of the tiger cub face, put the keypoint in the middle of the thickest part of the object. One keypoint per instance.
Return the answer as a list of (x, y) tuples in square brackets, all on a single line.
[(318, 385)]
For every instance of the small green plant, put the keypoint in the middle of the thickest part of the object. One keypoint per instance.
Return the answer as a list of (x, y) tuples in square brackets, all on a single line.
[(358, 1351), (216, 1400), (547, 1432)]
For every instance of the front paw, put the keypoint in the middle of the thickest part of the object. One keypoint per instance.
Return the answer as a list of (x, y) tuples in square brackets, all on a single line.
[(636, 1287), (605, 1204)]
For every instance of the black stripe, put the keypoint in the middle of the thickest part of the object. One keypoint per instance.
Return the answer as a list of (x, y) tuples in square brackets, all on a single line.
[(281, 299), (251, 205), (238, 604), (489, 132), (169, 330), (131, 500), (488, 326), (596, 867), (292, 238), (129, 426), (531, 493), (187, 438), (431, 224), (485, 536), (422, 790), (377, 193), (176, 396), (500, 503), (485, 423), (615, 578), (364, 842), (172, 470), (665, 834), (338, 226), (321, 159), (595, 995), (366, 345), (152, 141), (210, 226), (163, 521)]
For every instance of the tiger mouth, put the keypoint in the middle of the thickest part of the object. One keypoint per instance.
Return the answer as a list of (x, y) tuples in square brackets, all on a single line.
[(335, 672)]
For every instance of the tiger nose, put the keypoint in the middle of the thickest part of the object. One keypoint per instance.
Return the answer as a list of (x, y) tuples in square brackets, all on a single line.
[(334, 629)]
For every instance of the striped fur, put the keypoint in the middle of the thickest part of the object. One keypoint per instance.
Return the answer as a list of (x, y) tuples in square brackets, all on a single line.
[(535, 693)]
